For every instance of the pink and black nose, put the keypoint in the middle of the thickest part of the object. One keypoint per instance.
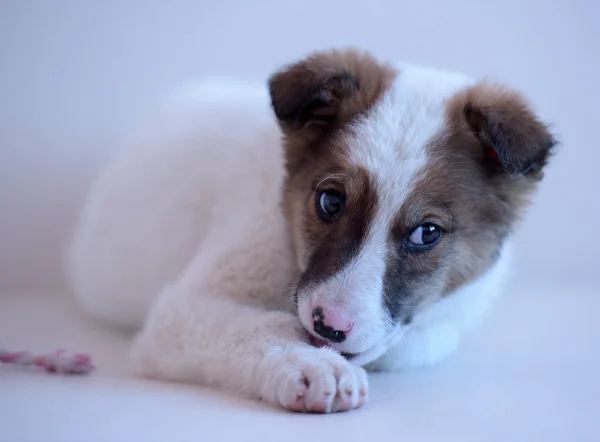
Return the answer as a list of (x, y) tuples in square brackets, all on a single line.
[(331, 326)]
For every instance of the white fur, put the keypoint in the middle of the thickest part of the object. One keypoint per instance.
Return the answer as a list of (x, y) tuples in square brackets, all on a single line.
[(182, 237)]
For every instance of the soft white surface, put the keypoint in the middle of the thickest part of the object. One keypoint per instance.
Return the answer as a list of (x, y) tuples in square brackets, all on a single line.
[(530, 374)]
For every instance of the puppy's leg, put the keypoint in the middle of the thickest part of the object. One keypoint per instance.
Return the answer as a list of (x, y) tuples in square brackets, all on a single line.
[(258, 354), (199, 331)]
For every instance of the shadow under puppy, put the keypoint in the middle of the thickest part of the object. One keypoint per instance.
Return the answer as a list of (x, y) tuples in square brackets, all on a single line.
[(381, 197)]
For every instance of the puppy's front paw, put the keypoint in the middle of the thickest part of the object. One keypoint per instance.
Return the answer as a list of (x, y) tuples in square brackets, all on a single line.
[(315, 380)]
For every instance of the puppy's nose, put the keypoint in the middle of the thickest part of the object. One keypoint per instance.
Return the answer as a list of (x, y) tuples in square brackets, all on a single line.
[(332, 326)]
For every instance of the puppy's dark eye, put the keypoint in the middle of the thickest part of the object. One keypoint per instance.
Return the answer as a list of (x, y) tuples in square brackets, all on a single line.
[(329, 205), (425, 236)]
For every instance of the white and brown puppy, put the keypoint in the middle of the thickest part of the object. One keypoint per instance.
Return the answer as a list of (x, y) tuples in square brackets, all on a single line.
[(380, 197)]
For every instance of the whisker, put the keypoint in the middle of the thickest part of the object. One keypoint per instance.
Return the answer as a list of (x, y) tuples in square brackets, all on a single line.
[(289, 292)]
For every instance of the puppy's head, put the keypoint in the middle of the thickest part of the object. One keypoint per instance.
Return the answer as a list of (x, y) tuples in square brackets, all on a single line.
[(402, 185)]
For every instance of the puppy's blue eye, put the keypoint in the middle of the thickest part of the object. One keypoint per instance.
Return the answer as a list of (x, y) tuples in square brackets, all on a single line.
[(329, 205), (425, 235)]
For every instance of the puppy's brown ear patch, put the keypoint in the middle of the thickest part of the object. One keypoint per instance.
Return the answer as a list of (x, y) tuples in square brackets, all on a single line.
[(301, 98), (512, 138), (326, 89)]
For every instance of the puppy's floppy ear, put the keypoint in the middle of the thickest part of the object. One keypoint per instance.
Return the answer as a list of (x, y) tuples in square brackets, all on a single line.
[(513, 139), (325, 88), (310, 93)]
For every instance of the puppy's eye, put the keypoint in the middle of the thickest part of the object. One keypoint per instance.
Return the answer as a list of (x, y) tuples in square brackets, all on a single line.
[(425, 236), (329, 205)]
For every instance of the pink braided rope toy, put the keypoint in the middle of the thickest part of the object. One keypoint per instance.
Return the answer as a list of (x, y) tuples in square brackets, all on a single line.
[(60, 361)]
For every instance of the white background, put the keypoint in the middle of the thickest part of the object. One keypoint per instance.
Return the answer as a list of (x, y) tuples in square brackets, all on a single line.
[(76, 75)]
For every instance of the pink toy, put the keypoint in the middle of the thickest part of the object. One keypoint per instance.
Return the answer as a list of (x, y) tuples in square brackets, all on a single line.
[(60, 361)]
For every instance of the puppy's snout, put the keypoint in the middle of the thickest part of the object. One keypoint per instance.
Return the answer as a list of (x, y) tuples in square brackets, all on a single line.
[(332, 326)]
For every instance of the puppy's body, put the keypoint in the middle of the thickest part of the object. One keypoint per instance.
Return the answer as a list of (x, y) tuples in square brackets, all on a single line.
[(208, 226), (202, 178)]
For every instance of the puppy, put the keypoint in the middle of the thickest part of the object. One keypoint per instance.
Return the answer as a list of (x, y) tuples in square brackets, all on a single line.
[(277, 241)]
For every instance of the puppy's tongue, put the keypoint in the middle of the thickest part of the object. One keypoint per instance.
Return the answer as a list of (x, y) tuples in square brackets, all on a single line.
[(318, 342)]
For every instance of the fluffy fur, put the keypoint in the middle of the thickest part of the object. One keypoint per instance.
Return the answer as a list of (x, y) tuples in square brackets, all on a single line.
[(204, 235)]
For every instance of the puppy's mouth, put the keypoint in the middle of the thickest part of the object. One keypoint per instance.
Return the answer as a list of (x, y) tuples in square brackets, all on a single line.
[(365, 357), (322, 343)]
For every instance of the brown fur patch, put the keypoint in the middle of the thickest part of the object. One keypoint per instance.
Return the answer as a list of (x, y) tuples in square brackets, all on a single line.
[(314, 100), (505, 125), (334, 244), (320, 94), (483, 170)]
